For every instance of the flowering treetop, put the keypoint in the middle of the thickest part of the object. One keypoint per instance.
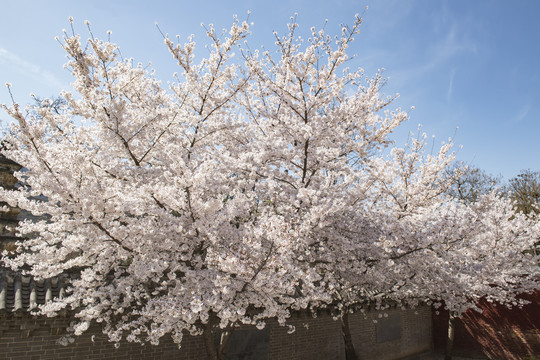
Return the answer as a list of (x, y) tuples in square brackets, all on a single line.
[(251, 187)]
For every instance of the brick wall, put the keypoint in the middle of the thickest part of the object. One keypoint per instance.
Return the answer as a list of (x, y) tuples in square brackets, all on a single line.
[(313, 338), (26, 337), (496, 333), (36, 339), (414, 336), (321, 338)]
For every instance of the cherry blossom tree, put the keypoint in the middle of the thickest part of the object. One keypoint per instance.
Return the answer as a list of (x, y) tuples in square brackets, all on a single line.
[(254, 186)]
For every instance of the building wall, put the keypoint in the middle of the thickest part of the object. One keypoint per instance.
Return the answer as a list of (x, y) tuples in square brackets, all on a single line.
[(496, 333)]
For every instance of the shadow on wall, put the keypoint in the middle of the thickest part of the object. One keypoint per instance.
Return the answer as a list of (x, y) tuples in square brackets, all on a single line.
[(497, 333)]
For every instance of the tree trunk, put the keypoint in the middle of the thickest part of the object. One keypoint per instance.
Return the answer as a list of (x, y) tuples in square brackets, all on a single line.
[(209, 343), (450, 338), (223, 340), (216, 350), (350, 352)]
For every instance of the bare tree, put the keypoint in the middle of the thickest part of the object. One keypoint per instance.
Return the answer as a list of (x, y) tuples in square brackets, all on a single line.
[(524, 190), (471, 182)]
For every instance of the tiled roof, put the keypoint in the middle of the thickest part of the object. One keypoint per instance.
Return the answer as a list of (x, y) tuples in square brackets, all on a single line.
[(6, 161), (20, 293)]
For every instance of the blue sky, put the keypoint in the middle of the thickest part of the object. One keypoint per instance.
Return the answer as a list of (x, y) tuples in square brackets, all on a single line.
[(467, 64)]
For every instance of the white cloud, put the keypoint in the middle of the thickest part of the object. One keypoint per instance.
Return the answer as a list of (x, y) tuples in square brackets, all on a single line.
[(450, 85), (35, 71), (522, 114), (453, 44)]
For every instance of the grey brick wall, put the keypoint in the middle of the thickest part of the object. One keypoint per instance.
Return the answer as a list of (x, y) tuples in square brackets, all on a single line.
[(29, 339), (414, 333), (25, 337)]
